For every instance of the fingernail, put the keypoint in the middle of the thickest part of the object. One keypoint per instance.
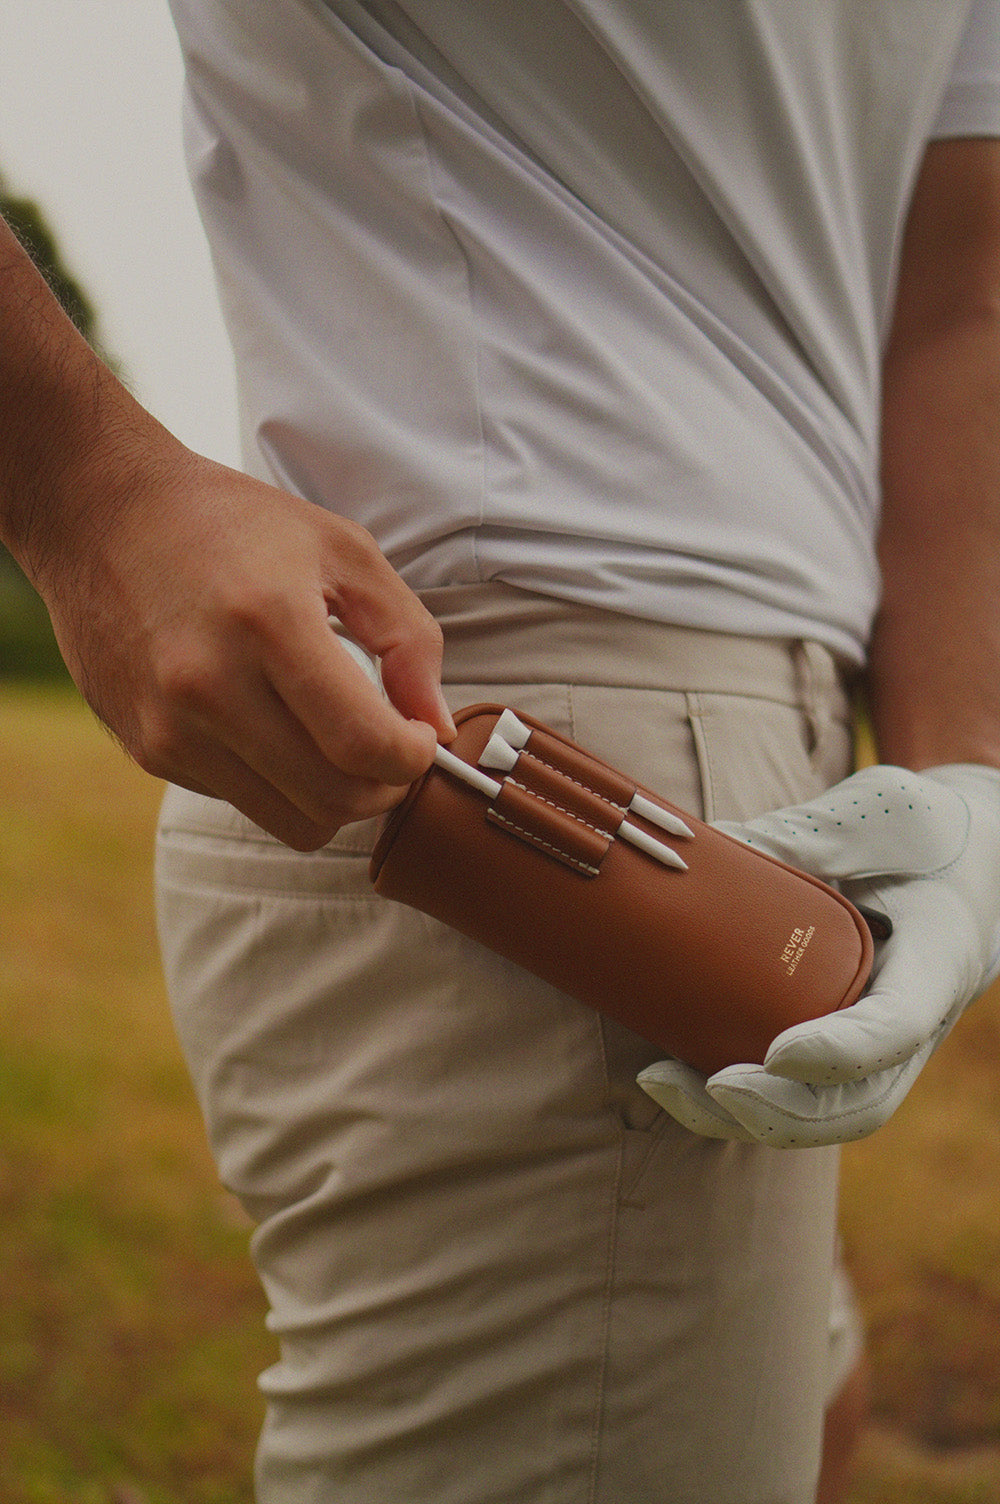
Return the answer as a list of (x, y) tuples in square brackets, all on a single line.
[(451, 729)]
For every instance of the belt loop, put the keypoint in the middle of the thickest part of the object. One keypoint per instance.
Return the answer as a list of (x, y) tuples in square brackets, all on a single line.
[(805, 656)]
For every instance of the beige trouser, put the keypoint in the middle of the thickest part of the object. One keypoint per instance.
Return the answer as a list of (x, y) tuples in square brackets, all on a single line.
[(499, 1274)]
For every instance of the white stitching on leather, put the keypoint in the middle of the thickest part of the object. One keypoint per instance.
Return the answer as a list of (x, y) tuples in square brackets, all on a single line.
[(621, 808), (560, 809), (536, 840)]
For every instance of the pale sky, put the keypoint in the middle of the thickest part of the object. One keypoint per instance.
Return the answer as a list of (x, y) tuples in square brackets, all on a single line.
[(90, 127)]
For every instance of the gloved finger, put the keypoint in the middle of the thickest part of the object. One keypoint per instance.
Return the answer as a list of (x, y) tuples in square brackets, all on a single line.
[(914, 989), (873, 1035), (680, 1090), (881, 1030), (793, 1115)]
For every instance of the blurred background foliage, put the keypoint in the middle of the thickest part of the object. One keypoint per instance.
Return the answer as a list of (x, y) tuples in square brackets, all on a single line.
[(25, 218)]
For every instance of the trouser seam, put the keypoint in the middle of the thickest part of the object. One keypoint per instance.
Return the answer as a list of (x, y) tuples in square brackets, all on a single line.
[(608, 1301)]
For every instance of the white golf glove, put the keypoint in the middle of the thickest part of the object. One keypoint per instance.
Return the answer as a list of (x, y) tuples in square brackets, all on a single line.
[(923, 849)]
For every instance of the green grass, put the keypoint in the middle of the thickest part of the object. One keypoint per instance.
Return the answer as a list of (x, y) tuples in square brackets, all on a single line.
[(28, 648), (131, 1325)]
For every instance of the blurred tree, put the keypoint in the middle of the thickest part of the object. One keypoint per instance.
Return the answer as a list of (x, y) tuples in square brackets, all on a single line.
[(25, 218), (27, 645)]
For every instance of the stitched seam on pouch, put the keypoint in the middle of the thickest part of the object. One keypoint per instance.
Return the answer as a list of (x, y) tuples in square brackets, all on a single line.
[(561, 809), (535, 840), (621, 808)]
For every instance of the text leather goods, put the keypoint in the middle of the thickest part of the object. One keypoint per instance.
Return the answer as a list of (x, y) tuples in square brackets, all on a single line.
[(708, 959)]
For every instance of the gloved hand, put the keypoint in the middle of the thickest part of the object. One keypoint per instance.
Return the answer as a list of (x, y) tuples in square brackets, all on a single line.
[(924, 849)]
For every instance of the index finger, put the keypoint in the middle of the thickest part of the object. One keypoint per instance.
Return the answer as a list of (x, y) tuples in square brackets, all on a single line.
[(355, 727)]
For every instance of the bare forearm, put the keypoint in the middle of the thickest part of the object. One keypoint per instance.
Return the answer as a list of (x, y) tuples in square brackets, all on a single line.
[(935, 675), (69, 430)]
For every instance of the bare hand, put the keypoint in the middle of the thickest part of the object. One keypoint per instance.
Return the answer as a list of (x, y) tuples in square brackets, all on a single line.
[(194, 618)]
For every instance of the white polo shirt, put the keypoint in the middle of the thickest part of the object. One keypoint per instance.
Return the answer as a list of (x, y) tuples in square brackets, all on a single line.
[(588, 296)]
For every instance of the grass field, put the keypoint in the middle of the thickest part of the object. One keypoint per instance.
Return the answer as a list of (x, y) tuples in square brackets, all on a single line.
[(131, 1326)]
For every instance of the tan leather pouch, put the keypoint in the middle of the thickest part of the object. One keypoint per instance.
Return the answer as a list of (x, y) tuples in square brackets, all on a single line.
[(709, 963)]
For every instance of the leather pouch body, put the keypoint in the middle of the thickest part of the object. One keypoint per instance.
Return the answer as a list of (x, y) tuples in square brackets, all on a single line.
[(709, 963)]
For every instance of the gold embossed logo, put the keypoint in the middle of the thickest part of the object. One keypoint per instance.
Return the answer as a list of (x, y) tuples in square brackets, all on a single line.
[(795, 948)]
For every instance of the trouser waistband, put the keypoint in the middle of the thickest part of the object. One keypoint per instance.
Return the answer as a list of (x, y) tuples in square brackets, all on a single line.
[(498, 634)]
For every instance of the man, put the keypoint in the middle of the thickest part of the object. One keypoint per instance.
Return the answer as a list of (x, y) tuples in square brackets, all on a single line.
[(600, 317)]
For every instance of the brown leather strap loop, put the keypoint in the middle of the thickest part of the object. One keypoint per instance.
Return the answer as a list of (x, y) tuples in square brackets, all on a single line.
[(607, 783), (561, 788), (554, 830)]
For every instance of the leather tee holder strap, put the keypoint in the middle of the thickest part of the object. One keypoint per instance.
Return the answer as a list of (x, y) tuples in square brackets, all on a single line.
[(708, 951)]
